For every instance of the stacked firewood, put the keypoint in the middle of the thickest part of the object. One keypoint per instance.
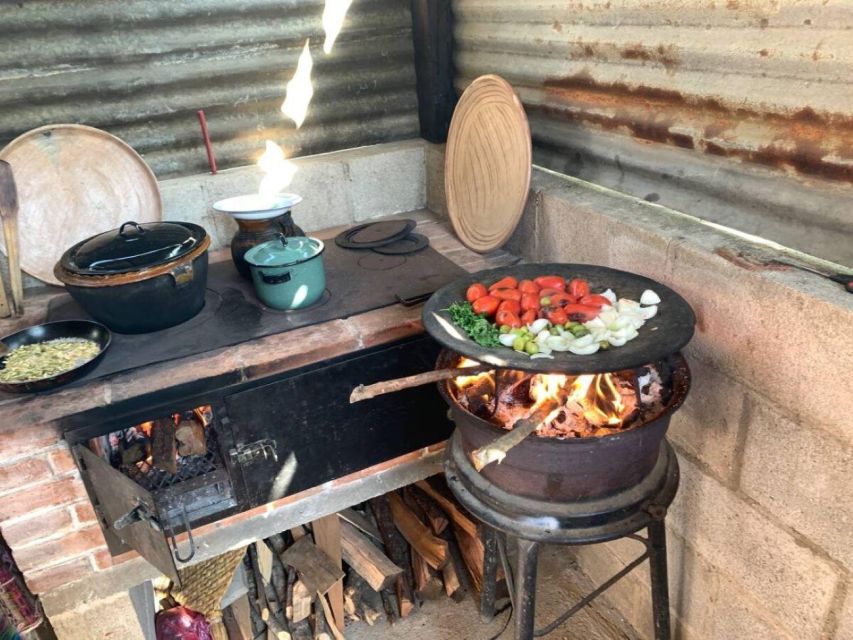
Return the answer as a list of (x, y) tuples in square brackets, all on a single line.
[(377, 561)]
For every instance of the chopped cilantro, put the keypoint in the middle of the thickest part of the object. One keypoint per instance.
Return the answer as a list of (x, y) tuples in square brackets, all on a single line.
[(478, 328)]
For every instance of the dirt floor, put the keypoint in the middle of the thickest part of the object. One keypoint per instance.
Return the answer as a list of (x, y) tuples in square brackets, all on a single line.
[(560, 586)]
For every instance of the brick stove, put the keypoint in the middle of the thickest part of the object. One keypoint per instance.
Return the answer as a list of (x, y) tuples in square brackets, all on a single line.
[(46, 515)]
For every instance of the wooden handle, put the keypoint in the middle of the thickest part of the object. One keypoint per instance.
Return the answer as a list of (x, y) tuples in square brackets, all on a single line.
[(9, 213)]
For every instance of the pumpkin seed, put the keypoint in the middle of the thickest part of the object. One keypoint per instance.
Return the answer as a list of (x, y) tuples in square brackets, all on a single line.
[(47, 359)]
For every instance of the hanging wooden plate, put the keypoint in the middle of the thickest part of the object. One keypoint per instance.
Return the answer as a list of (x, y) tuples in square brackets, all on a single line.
[(74, 182), (487, 164)]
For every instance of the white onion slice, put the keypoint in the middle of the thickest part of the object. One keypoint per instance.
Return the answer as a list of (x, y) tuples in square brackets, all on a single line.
[(584, 351), (506, 339), (537, 325), (649, 298), (649, 312)]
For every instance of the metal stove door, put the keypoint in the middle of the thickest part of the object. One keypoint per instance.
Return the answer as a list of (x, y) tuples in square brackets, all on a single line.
[(129, 512)]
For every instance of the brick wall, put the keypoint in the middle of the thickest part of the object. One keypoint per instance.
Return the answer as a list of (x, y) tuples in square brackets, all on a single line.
[(45, 515), (759, 534)]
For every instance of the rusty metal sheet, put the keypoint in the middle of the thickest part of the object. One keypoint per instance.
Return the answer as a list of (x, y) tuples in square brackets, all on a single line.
[(142, 68)]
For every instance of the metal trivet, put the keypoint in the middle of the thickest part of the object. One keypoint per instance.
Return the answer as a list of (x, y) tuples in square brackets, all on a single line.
[(532, 522)]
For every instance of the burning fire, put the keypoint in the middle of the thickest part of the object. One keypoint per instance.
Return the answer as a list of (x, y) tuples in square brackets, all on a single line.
[(278, 171), (300, 89), (591, 404)]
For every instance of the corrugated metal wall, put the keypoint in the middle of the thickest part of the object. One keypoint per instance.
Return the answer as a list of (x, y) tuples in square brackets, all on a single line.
[(141, 68), (761, 81)]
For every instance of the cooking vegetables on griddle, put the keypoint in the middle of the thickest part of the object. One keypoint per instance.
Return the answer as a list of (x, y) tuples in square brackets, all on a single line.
[(47, 359), (549, 313)]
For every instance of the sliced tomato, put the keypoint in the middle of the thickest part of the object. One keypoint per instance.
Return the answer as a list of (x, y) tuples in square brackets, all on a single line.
[(578, 288), (487, 305), (506, 294), (551, 282), (529, 316), (475, 291), (528, 286), (581, 312), (505, 283), (557, 316), (595, 300), (507, 318), (512, 306)]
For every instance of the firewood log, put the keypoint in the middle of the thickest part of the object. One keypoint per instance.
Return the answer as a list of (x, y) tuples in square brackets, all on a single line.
[(163, 446), (449, 506), (432, 549), (435, 516), (398, 551), (427, 584), (190, 436), (366, 560)]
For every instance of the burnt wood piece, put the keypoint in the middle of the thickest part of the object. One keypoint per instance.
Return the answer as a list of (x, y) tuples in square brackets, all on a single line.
[(366, 392), (164, 446), (416, 533), (327, 537), (190, 436), (450, 507), (316, 569), (272, 619), (398, 550), (366, 602), (427, 584), (435, 516), (432, 33), (366, 560), (661, 336), (496, 450)]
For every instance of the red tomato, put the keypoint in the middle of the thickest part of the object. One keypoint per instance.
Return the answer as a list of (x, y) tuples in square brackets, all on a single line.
[(507, 318), (561, 299), (528, 316), (581, 312), (551, 282), (549, 292), (578, 288), (505, 283), (595, 300), (475, 291), (487, 305), (506, 294), (530, 301), (509, 305), (528, 286), (557, 316)]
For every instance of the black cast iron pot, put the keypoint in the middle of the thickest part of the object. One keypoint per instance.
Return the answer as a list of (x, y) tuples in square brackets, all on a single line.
[(139, 278), (573, 468)]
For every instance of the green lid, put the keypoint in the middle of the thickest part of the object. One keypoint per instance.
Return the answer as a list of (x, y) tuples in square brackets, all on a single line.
[(284, 252)]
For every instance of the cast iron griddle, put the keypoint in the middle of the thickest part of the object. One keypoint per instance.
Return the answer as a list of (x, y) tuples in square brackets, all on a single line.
[(374, 234), (661, 336)]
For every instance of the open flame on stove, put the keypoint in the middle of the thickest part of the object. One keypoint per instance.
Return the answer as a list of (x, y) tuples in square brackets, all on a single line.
[(590, 404)]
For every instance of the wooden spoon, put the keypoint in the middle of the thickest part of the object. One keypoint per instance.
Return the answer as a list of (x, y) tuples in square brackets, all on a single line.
[(9, 213)]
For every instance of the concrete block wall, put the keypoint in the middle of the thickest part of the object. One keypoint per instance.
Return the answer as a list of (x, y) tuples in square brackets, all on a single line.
[(759, 533)]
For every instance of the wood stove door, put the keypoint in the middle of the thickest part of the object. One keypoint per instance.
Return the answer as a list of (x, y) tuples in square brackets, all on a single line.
[(301, 431), (129, 512)]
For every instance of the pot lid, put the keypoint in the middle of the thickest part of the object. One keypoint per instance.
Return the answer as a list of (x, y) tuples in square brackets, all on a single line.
[(284, 251), (133, 247)]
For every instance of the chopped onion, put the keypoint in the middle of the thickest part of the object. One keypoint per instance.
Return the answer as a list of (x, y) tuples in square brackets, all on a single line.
[(649, 298), (584, 351), (541, 355), (583, 341), (610, 296), (624, 304), (649, 312), (506, 339), (537, 325)]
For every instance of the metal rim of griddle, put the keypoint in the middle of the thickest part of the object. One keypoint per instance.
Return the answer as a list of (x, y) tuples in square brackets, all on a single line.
[(661, 336), (411, 243), (386, 232)]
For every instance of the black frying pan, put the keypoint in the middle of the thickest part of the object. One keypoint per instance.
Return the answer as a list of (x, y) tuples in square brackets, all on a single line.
[(50, 331)]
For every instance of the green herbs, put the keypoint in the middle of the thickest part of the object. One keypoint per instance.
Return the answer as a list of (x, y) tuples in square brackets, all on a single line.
[(47, 359), (478, 328)]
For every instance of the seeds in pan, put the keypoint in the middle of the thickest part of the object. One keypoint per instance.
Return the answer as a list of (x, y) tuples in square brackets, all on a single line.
[(47, 359)]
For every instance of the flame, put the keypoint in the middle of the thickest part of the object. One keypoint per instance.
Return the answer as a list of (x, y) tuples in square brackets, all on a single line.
[(600, 398), (463, 382), (300, 90), (333, 20), (546, 386), (278, 170)]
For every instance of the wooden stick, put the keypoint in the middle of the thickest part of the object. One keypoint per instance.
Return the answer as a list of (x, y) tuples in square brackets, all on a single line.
[(360, 522), (398, 551), (434, 515), (327, 536), (450, 508), (9, 213), (164, 445), (416, 533), (496, 451), (362, 392), (205, 134), (327, 612)]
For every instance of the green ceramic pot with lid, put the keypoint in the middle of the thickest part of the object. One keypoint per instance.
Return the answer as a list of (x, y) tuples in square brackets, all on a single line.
[(288, 272)]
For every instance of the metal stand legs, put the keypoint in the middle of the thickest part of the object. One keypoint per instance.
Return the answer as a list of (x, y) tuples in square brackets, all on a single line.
[(660, 583), (490, 574), (525, 587)]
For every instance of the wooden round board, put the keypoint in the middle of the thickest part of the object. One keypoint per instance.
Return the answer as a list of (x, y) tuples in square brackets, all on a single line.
[(487, 164), (74, 182)]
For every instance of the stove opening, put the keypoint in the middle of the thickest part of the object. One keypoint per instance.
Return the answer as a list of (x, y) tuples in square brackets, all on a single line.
[(589, 405)]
